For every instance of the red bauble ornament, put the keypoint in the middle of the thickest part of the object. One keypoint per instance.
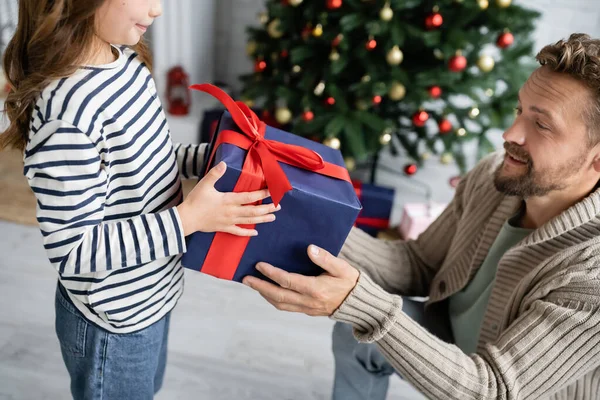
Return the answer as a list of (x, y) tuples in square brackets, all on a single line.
[(377, 100), (434, 21), (457, 63), (454, 181), (420, 118), (260, 66), (435, 91), (505, 40), (308, 115), (371, 44), (445, 126), (284, 53), (330, 101), (334, 4), (410, 169), (338, 39)]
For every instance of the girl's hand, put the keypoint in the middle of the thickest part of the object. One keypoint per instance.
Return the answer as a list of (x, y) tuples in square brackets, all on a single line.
[(208, 210)]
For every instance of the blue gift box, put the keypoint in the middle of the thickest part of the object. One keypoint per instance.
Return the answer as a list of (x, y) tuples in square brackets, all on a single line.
[(318, 210), (377, 205)]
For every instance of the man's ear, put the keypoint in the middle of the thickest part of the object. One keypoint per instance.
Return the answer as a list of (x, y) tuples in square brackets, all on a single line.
[(596, 159)]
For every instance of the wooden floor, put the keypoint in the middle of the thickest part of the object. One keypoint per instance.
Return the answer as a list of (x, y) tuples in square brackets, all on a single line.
[(226, 342)]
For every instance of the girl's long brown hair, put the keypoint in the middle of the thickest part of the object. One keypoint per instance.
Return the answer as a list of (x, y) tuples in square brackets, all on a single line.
[(52, 39)]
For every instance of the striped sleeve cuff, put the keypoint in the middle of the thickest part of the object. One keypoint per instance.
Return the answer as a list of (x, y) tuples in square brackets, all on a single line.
[(369, 309)]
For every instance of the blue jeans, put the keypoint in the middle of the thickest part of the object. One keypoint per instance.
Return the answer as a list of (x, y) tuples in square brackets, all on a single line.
[(361, 371), (109, 366)]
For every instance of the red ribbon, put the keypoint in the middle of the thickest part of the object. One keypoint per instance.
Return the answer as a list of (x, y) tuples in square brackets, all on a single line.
[(261, 169), (378, 223)]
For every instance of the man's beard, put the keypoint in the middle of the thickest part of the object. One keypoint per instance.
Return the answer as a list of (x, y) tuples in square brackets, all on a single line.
[(534, 183)]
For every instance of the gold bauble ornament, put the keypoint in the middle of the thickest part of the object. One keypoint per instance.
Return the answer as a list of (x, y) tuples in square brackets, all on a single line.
[(283, 115), (318, 31), (263, 17), (503, 3), (296, 69), (319, 89), (350, 163), (474, 112), (251, 48), (439, 54), (385, 138), (446, 158), (295, 3), (334, 55), (395, 56), (461, 132), (366, 78), (333, 142), (486, 63), (397, 91), (274, 29), (483, 4), (386, 13)]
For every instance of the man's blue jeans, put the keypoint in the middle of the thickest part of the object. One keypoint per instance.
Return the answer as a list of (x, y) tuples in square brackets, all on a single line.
[(108, 366), (361, 371)]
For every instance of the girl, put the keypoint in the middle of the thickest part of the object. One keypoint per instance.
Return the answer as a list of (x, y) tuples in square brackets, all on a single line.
[(99, 158)]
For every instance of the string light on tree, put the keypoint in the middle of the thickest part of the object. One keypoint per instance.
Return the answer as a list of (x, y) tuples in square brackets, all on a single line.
[(435, 92), (444, 126), (330, 101), (485, 63), (446, 158), (318, 31), (274, 29), (457, 63), (489, 92), (395, 56), (334, 55), (397, 91), (334, 4), (434, 20), (410, 169), (377, 100), (426, 156), (295, 3), (386, 137), (371, 44), (460, 132), (333, 142), (319, 89), (474, 112), (296, 69), (366, 78), (386, 14), (439, 54), (505, 40), (308, 115), (420, 118), (260, 65), (503, 3), (263, 17), (483, 4)]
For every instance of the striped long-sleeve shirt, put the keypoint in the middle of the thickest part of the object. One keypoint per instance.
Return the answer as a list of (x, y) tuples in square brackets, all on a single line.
[(106, 176), (540, 336)]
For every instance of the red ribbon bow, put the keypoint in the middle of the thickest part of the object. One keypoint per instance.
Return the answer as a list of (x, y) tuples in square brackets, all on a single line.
[(261, 168)]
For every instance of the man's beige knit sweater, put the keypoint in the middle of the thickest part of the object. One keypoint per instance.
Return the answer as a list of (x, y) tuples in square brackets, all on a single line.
[(540, 336)]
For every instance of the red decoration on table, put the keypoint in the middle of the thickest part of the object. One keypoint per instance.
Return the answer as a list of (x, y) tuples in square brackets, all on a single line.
[(420, 118), (435, 91), (308, 116), (434, 21), (457, 63), (371, 44), (334, 4), (410, 169), (178, 95), (505, 40), (261, 169), (445, 126)]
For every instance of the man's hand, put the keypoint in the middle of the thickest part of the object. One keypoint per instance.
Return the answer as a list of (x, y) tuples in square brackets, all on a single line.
[(315, 296)]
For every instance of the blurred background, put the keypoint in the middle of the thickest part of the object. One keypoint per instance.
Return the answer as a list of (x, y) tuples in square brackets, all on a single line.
[(421, 89)]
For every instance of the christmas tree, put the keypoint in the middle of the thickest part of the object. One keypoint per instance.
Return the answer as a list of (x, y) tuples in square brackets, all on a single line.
[(422, 77)]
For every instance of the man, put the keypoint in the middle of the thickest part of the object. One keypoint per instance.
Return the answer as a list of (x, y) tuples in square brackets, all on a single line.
[(512, 265)]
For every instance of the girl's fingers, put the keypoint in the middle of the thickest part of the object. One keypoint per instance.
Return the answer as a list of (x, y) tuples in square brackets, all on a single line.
[(247, 197), (255, 211), (238, 231), (255, 220)]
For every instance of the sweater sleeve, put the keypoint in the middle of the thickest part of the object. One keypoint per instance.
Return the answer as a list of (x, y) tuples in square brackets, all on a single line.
[(549, 345), (69, 179), (190, 159)]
